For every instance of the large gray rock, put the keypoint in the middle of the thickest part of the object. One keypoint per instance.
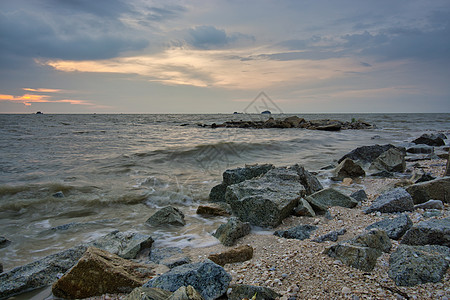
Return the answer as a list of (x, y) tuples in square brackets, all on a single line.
[(393, 160), (348, 169), (330, 197), (125, 245), (299, 232), (304, 209), (363, 251), (366, 154), (208, 278), (359, 195), (392, 201), (430, 232), (244, 291), (395, 228), (168, 215), (309, 181), (234, 176), (431, 139), (437, 189), (230, 232), (412, 265), (99, 272), (430, 204), (268, 200), (40, 273), (359, 257)]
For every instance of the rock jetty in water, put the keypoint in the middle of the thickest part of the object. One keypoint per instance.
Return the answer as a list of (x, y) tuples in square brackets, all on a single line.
[(294, 122)]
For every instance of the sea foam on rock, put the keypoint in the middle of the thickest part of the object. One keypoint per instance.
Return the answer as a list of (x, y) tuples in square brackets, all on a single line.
[(168, 215)]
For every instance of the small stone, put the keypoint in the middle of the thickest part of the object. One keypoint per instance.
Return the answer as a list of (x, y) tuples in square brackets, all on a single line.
[(346, 290), (347, 181)]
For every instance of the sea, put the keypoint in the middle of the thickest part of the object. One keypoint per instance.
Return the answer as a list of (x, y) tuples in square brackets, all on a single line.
[(66, 179)]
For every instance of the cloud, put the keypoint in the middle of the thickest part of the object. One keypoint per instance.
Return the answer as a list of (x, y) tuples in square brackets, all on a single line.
[(210, 37), (29, 98)]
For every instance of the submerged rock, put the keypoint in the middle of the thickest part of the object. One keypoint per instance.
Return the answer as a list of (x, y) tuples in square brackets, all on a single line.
[(437, 189), (230, 232), (266, 201), (4, 242), (244, 291), (412, 265), (394, 228), (99, 272), (431, 139), (208, 278), (430, 232), (396, 200), (168, 215)]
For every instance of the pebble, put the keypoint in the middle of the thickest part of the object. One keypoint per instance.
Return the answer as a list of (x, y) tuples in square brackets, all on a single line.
[(346, 290), (316, 221)]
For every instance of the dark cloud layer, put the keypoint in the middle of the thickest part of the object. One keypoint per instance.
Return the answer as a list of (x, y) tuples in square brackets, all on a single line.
[(210, 37)]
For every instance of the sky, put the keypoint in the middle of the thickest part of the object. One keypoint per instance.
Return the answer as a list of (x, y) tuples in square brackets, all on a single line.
[(217, 56)]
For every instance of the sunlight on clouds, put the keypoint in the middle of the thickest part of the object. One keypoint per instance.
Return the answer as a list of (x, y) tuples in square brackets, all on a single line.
[(29, 99), (214, 68)]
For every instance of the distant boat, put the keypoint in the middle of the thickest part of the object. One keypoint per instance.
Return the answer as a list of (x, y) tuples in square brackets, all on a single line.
[(39, 113), (266, 112)]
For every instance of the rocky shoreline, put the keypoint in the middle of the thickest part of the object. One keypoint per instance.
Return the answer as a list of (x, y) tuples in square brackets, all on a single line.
[(293, 122), (380, 231)]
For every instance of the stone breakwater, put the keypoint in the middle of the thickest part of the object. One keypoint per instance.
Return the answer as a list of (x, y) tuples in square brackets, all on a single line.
[(381, 230), (293, 122)]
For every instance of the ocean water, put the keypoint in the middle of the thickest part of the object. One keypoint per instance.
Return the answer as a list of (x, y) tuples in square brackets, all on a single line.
[(115, 171)]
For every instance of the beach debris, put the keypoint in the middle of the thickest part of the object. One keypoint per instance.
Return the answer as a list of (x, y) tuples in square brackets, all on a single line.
[(208, 278), (230, 232), (244, 291), (429, 232), (437, 189), (237, 254), (168, 215), (395, 228), (412, 265), (300, 232), (99, 272), (432, 139), (392, 201)]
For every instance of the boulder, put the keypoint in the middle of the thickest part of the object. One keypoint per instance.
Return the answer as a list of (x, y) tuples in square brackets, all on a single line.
[(348, 169), (395, 228), (145, 293), (359, 195), (234, 176), (359, 257), (331, 236), (375, 238), (429, 232), (299, 232), (238, 254), (170, 257), (214, 209), (330, 197), (4, 242), (421, 177), (168, 215), (99, 272), (244, 291), (294, 121), (437, 189), (420, 149), (431, 139), (412, 265), (39, 273), (304, 209), (309, 181), (366, 154), (393, 160), (230, 232), (266, 201), (125, 245), (392, 201), (186, 293), (208, 278), (363, 251), (430, 204)]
